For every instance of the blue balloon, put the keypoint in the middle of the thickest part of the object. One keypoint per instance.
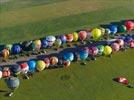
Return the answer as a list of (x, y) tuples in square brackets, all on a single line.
[(15, 69), (63, 38), (16, 49), (83, 54), (32, 65), (44, 43), (13, 82), (69, 56), (113, 29)]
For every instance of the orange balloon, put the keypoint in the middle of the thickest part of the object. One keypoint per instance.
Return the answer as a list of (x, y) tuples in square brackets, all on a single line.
[(5, 53)]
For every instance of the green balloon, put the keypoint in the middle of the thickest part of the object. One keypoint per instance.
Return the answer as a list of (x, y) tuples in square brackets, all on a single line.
[(9, 47), (122, 28)]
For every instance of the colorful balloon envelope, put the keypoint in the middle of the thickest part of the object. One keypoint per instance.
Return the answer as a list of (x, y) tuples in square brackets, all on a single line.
[(107, 50), (75, 36), (82, 35), (83, 54), (68, 56), (24, 67), (63, 38), (113, 29), (107, 31), (53, 60), (66, 63), (50, 39), (16, 69), (131, 43), (40, 65), (47, 62), (16, 49), (96, 33), (58, 42), (6, 72), (120, 42), (93, 51), (115, 47), (5, 53), (44, 43), (100, 49), (0, 74), (122, 28), (36, 44), (32, 65), (13, 82), (129, 25), (69, 37)]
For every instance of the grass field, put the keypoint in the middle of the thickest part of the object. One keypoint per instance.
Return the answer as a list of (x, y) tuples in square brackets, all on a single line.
[(30, 19)]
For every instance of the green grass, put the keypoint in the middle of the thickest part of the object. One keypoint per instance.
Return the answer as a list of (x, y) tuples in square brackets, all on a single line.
[(90, 82), (32, 19)]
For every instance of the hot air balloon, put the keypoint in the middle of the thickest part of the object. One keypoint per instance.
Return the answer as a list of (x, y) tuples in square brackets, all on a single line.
[(63, 38), (32, 65), (36, 44), (93, 51), (50, 39), (82, 35), (107, 31), (129, 25), (115, 47), (16, 69), (16, 49), (120, 42), (107, 50), (100, 49), (113, 29), (58, 42), (83, 54), (13, 83), (75, 36), (122, 28), (8, 47), (0, 74), (53, 60), (68, 56), (6, 72), (5, 53), (66, 64), (69, 37), (47, 62), (24, 67), (44, 43), (40, 65), (131, 43), (26, 45), (102, 30), (96, 33)]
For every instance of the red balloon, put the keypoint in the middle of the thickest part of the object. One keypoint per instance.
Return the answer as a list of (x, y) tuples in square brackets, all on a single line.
[(69, 37), (82, 35), (129, 25)]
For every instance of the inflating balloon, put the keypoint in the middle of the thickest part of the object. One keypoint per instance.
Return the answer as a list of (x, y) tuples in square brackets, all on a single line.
[(6, 72), (66, 64), (129, 25), (36, 44), (40, 65), (96, 33), (131, 43), (53, 60), (5, 53), (8, 47), (16, 69), (69, 37), (13, 83), (122, 28), (100, 49), (83, 54), (58, 42), (107, 31), (82, 35), (115, 47), (44, 43), (24, 67), (107, 50), (68, 56), (113, 29), (50, 39), (16, 49), (102, 31), (93, 51), (32, 65), (47, 62), (120, 42), (0, 74), (63, 38), (75, 36)]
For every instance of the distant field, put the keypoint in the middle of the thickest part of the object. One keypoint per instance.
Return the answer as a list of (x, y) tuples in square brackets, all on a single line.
[(37, 19)]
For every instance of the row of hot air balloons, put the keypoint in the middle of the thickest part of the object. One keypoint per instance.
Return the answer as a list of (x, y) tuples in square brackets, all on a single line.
[(57, 41)]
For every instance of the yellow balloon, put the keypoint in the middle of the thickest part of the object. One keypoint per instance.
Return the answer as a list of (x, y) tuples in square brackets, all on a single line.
[(75, 36), (107, 50), (37, 44), (40, 65), (96, 33)]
